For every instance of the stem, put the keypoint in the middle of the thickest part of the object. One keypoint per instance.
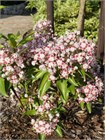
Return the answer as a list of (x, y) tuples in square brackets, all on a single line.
[(18, 97), (22, 106)]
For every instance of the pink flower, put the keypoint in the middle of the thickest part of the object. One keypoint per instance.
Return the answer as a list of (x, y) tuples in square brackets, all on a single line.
[(59, 62), (64, 73), (41, 56), (47, 105), (52, 78), (41, 122), (40, 109), (85, 66), (7, 60), (47, 126), (33, 63), (32, 121)]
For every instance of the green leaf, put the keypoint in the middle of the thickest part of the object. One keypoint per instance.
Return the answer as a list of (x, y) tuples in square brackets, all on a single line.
[(1, 46), (90, 76), (59, 131), (62, 86), (82, 105), (11, 40), (25, 40), (83, 74), (100, 100), (38, 75), (61, 109), (72, 89), (41, 137), (3, 36), (88, 105), (2, 87), (72, 81), (75, 96), (43, 81), (18, 35), (24, 101), (30, 112), (1, 70), (62, 99), (7, 85), (45, 88), (26, 87)]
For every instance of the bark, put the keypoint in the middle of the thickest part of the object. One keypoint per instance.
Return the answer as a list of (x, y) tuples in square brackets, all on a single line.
[(80, 24), (50, 12), (101, 34)]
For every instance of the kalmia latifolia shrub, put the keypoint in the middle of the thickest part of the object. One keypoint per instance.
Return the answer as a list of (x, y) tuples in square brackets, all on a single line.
[(45, 71)]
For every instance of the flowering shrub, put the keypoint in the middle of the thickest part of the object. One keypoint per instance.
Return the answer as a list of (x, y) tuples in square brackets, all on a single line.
[(44, 71)]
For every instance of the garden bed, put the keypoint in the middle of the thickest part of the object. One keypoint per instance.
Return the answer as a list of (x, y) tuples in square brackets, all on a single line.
[(77, 124)]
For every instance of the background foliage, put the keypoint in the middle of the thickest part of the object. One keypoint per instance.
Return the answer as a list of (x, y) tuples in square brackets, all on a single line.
[(66, 14)]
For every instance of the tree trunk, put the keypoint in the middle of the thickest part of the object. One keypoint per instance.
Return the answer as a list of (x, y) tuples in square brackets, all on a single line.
[(101, 34), (50, 12), (80, 24)]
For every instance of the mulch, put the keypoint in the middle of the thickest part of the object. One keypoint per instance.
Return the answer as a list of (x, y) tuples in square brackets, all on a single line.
[(78, 124)]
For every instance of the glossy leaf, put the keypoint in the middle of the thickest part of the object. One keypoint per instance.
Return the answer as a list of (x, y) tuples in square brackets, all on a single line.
[(59, 131), (72, 81), (72, 89), (75, 96), (2, 87), (83, 74), (43, 81), (88, 105), (62, 86), (41, 137), (82, 105), (25, 40), (45, 88), (30, 112), (62, 99), (11, 40), (7, 85), (39, 75), (3, 36)]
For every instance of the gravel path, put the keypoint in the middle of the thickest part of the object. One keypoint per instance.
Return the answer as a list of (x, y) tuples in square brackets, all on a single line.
[(13, 24)]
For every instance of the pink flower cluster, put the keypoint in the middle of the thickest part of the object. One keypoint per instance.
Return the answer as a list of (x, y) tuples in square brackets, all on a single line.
[(43, 33), (48, 124), (12, 64), (91, 91), (63, 55), (44, 127), (46, 106)]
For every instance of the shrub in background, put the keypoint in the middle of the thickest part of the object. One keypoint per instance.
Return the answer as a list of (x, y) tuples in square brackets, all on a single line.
[(66, 14)]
